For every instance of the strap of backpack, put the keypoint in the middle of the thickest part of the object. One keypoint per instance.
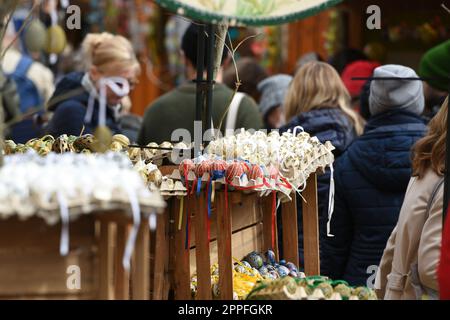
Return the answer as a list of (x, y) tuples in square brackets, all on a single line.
[(23, 66)]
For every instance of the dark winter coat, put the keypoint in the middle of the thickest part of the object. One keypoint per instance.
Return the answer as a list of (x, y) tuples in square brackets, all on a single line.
[(371, 179), (69, 104), (327, 124)]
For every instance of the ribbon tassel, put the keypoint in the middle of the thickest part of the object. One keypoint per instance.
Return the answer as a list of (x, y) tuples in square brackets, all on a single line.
[(330, 202), (64, 211)]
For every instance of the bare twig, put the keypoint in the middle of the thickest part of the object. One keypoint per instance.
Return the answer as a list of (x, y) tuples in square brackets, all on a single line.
[(445, 8), (22, 27)]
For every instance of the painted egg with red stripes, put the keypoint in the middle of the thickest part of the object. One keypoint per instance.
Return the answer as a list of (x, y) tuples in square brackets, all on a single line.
[(234, 170), (202, 168), (273, 172), (186, 165), (256, 172), (219, 165)]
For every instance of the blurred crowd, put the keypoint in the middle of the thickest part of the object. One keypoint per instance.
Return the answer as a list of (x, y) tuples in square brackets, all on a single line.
[(387, 122)]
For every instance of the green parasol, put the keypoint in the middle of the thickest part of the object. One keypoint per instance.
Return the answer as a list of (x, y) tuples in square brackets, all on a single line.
[(247, 12)]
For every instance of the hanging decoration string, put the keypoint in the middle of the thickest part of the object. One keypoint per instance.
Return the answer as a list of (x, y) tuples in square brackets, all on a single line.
[(64, 212), (136, 211)]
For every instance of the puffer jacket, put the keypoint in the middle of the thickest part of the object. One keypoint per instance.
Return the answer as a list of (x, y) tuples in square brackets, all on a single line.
[(327, 124), (371, 178)]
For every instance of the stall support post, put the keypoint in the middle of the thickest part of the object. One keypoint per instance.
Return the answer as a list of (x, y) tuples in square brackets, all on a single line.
[(311, 227), (224, 234), (290, 230)]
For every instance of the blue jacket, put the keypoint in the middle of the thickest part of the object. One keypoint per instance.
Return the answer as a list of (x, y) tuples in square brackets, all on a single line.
[(327, 124), (69, 113), (371, 179)]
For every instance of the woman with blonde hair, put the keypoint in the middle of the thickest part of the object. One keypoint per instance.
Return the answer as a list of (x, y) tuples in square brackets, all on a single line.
[(111, 72), (318, 101), (408, 269)]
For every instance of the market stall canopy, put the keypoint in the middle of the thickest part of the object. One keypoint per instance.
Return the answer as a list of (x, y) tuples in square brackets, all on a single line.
[(247, 12)]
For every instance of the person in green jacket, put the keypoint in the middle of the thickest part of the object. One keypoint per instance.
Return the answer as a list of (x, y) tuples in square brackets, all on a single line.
[(176, 109)]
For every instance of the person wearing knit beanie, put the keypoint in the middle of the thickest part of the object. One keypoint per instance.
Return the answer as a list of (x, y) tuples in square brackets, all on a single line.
[(435, 68), (273, 91), (390, 94)]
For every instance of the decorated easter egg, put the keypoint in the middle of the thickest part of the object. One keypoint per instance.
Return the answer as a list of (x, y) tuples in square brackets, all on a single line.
[(219, 165), (270, 267), (254, 259), (270, 257), (239, 268), (235, 169), (185, 166), (274, 274), (273, 172), (326, 288), (247, 167), (215, 290), (84, 142), (293, 274), (282, 262), (56, 40), (283, 271), (256, 172), (291, 266), (362, 293), (343, 290), (202, 168), (246, 264), (263, 270), (35, 36), (61, 144)]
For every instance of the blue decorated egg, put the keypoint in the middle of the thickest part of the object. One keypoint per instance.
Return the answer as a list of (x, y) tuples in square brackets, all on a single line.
[(263, 271), (270, 257), (291, 266), (283, 262), (245, 263), (273, 274), (293, 274), (283, 271), (255, 260)]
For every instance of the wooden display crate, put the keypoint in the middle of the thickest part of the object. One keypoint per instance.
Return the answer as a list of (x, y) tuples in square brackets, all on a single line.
[(32, 268), (246, 227)]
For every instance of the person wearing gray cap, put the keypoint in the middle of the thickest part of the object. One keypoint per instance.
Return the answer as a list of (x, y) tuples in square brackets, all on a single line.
[(372, 175), (273, 91)]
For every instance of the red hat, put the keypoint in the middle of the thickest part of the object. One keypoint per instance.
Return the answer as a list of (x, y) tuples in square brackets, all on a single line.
[(357, 69)]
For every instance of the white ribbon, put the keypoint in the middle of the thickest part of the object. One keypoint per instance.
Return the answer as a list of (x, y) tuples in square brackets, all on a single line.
[(118, 85), (330, 201), (152, 221), (64, 212), (294, 133), (136, 211), (65, 3)]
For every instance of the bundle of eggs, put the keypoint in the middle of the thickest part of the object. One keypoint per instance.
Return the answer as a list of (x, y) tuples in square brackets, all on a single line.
[(156, 152), (149, 172), (309, 288), (219, 168), (267, 266), (65, 143)]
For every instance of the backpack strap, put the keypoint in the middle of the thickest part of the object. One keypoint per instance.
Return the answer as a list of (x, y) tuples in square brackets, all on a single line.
[(433, 195), (230, 125), (23, 66)]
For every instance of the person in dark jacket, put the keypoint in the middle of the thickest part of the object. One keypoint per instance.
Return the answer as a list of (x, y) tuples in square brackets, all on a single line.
[(318, 101), (107, 57), (371, 178)]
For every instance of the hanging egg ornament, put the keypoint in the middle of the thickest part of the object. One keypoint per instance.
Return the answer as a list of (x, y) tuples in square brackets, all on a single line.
[(185, 166), (84, 142), (35, 36), (115, 146), (56, 40), (61, 144), (202, 168), (234, 170), (273, 172), (121, 139), (219, 165), (256, 172), (103, 137), (10, 147)]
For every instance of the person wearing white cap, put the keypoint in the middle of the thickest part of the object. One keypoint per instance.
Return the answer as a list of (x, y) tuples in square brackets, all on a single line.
[(372, 175)]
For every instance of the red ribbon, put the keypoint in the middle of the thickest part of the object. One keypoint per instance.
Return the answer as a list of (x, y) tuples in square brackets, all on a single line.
[(194, 185), (274, 214)]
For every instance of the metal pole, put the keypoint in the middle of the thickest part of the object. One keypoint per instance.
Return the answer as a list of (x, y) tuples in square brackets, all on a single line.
[(200, 96), (447, 171), (210, 76)]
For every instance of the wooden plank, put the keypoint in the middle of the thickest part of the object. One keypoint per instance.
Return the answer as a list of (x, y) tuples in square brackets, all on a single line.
[(311, 227), (242, 243), (244, 208), (269, 225), (202, 250), (224, 248), (160, 257), (121, 276), (140, 289), (180, 257), (42, 274), (290, 230), (105, 262)]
